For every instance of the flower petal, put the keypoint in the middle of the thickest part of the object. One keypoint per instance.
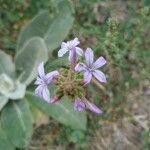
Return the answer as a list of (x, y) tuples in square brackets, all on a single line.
[(38, 91), (75, 42), (46, 94), (99, 63), (89, 56), (79, 105), (99, 76), (80, 67), (63, 45), (38, 81), (79, 51), (51, 75), (41, 70), (87, 77), (93, 107), (72, 56), (62, 51)]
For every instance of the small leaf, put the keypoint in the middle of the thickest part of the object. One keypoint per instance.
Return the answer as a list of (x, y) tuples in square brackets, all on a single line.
[(38, 26), (62, 112), (6, 84), (18, 93), (28, 59), (16, 120), (11, 89), (3, 101), (6, 64)]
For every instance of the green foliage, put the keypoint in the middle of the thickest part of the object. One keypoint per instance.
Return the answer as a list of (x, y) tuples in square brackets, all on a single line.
[(4, 143), (3, 101), (18, 115), (124, 43), (38, 38), (6, 60), (29, 57), (11, 89), (58, 30), (145, 139), (56, 63), (62, 112), (52, 29), (38, 26)]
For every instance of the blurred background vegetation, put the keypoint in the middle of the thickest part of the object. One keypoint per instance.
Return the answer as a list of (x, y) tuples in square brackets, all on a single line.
[(120, 31)]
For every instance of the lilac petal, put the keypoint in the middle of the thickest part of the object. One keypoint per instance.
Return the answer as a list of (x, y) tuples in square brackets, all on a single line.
[(62, 51), (63, 45), (93, 107), (99, 63), (38, 81), (38, 91), (72, 56), (89, 56), (79, 51), (80, 67), (46, 94), (75, 42), (79, 105), (51, 75), (87, 77), (41, 70), (100, 76)]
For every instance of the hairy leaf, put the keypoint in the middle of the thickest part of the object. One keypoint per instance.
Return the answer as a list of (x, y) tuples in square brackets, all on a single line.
[(63, 111), (58, 30), (18, 92), (38, 26), (52, 28), (6, 64), (16, 120), (28, 59), (5, 144), (3, 101)]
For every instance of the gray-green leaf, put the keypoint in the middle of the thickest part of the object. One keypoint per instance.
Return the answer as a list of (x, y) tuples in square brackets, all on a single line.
[(18, 92), (36, 27), (62, 112), (6, 84), (58, 30), (3, 101), (53, 28), (16, 120), (5, 144), (10, 88), (6, 64), (28, 59)]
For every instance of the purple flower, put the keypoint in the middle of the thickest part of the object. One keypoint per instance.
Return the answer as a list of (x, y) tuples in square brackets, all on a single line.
[(90, 68), (42, 81), (71, 47), (80, 105)]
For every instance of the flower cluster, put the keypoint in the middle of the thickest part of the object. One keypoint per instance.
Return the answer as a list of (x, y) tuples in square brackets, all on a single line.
[(72, 80)]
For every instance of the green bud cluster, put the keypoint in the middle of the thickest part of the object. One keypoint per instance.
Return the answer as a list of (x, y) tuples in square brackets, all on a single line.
[(70, 84)]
